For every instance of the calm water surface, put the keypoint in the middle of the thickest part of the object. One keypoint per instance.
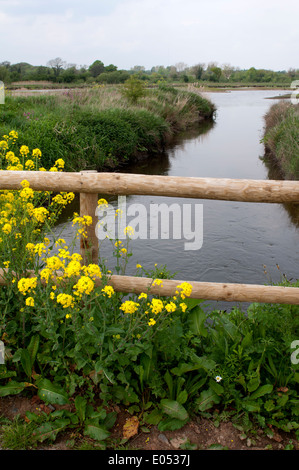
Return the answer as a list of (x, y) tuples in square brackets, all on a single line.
[(242, 242)]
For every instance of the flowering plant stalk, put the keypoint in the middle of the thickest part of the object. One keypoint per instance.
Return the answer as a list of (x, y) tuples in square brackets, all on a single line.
[(85, 333)]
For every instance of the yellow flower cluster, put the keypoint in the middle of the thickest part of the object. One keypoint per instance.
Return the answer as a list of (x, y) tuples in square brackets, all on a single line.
[(66, 300), (27, 285), (129, 306)]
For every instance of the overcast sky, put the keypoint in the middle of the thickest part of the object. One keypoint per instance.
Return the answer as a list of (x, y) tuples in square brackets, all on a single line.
[(252, 33)]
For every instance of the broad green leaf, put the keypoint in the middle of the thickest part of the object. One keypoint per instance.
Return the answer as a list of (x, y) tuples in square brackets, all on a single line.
[(197, 319), (80, 404), (204, 362), (192, 303), (216, 387), (269, 405), (26, 362), (247, 340), (169, 381), (99, 433), (110, 420), (154, 417), (50, 430), (250, 406), (147, 364), (12, 388), (33, 348), (182, 397), (253, 384), (51, 393), (263, 390), (207, 399), (174, 409), (171, 424)]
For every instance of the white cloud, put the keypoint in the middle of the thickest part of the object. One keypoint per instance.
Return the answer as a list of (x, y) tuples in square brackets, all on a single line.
[(151, 32)]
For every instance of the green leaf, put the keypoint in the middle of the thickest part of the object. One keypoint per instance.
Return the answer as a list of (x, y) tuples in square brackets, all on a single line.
[(147, 364), (26, 362), (174, 409), (99, 433), (51, 393), (263, 390), (216, 387), (197, 319), (33, 348), (207, 399), (250, 406), (182, 397), (110, 420), (192, 303), (154, 417), (50, 430), (171, 424), (169, 381), (269, 405), (12, 388), (253, 384), (80, 404)]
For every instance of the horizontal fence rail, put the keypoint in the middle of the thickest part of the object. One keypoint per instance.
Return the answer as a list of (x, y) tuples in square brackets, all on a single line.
[(90, 184), (243, 190), (228, 292)]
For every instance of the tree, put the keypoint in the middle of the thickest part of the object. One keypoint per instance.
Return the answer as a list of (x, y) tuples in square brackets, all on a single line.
[(57, 65), (110, 68), (198, 70), (96, 68), (133, 89)]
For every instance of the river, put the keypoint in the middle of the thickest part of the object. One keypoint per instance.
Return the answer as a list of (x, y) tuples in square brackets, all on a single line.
[(242, 242)]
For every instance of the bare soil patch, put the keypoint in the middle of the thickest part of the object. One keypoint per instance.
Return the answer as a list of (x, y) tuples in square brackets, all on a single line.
[(198, 434)]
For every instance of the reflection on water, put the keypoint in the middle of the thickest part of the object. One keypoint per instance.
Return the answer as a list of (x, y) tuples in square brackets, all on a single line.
[(240, 240)]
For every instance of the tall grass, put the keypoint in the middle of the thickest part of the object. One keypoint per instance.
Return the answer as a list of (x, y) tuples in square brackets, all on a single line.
[(98, 128), (282, 138)]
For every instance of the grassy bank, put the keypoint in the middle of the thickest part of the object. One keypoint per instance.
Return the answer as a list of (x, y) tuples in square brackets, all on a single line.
[(281, 138), (100, 128)]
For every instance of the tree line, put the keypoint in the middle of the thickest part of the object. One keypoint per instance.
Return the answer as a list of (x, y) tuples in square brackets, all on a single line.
[(59, 71)]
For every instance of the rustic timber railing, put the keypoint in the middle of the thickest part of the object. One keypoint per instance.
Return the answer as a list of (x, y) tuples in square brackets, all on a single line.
[(91, 184)]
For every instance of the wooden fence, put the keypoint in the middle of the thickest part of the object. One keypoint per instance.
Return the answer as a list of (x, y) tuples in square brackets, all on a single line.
[(92, 184)]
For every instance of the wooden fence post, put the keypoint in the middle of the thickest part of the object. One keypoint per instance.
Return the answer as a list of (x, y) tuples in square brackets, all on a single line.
[(89, 245)]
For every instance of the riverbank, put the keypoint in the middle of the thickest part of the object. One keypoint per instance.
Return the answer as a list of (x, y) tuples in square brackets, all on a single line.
[(281, 138), (99, 128)]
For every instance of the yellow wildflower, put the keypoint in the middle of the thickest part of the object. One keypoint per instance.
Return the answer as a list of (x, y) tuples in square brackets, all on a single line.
[(108, 290), (30, 301), (129, 306)]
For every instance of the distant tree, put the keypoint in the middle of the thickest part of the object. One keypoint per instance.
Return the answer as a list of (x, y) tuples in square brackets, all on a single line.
[(119, 76), (138, 68), (96, 68), (181, 66), (69, 75), (198, 70), (4, 74), (227, 71), (133, 89), (57, 65), (110, 68)]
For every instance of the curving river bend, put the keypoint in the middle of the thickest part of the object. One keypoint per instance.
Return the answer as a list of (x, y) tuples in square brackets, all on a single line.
[(242, 242)]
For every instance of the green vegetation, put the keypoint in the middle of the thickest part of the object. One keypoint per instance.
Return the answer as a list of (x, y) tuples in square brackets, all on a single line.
[(103, 127), (57, 71), (71, 340), (281, 138)]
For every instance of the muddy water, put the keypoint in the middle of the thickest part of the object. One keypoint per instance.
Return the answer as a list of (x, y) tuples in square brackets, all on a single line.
[(242, 242)]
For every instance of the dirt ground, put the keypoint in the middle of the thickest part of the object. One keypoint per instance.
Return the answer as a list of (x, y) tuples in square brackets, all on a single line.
[(198, 434)]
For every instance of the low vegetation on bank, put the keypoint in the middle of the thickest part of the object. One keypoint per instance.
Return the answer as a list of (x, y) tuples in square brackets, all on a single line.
[(83, 349), (103, 127), (281, 138)]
